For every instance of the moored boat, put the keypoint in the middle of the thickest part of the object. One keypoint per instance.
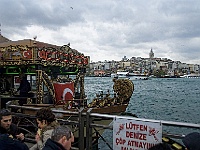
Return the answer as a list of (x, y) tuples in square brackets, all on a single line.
[(190, 76), (138, 76), (122, 74)]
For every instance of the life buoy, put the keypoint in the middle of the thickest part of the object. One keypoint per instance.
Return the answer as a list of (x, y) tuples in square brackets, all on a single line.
[(27, 54), (79, 59), (85, 62), (42, 54)]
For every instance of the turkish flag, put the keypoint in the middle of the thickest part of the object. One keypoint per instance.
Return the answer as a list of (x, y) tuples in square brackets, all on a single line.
[(64, 92)]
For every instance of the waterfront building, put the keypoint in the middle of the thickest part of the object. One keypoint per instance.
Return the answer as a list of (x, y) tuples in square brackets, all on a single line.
[(148, 65)]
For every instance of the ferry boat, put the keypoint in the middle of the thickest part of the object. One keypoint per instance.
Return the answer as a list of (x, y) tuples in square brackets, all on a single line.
[(138, 76), (128, 75), (120, 74), (113, 75), (190, 76)]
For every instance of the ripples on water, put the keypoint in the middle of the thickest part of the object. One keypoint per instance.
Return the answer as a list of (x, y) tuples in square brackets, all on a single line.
[(167, 99), (170, 99), (161, 99)]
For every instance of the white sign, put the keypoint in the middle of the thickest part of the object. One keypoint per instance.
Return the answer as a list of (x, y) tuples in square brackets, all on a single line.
[(135, 135)]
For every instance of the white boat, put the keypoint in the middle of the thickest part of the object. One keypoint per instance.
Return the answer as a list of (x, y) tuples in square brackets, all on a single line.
[(122, 74), (138, 76), (191, 76), (131, 76), (113, 75)]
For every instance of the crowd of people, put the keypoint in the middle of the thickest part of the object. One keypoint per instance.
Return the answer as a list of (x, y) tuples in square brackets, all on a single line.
[(52, 136)]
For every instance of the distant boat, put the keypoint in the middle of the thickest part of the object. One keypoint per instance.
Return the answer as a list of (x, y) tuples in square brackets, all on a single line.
[(113, 75), (127, 75), (138, 76), (120, 74), (191, 76)]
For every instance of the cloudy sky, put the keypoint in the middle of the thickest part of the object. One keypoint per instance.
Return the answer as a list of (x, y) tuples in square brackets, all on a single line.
[(109, 29)]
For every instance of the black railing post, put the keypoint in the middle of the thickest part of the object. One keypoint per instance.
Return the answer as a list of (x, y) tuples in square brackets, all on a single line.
[(81, 130), (88, 130)]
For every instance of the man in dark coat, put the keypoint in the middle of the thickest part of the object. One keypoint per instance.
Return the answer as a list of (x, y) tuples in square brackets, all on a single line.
[(7, 143), (61, 139), (7, 127)]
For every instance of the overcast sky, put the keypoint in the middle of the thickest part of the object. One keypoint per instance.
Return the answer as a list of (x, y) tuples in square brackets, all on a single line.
[(109, 29)]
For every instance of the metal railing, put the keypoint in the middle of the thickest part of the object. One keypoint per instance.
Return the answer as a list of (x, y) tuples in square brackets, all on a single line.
[(91, 125)]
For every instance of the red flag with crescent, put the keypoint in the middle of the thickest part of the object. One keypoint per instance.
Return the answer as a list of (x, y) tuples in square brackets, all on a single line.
[(64, 92)]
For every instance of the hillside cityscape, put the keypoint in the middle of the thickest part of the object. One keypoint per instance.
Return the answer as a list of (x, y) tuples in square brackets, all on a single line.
[(152, 66), (159, 67)]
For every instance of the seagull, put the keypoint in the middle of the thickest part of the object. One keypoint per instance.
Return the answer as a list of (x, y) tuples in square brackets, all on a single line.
[(71, 7)]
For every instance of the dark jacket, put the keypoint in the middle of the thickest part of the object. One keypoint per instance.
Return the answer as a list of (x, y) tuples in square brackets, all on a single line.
[(7, 143), (14, 130), (24, 87), (52, 145)]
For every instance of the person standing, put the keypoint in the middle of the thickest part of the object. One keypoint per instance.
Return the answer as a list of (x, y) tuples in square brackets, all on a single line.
[(46, 123), (24, 87), (7, 127), (61, 139)]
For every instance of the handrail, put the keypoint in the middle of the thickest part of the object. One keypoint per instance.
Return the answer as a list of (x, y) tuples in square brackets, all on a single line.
[(170, 123), (85, 121)]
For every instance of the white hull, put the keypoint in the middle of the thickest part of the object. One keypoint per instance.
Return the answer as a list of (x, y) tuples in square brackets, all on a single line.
[(138, 77), (190, 76), (127, 75), (120, 74)]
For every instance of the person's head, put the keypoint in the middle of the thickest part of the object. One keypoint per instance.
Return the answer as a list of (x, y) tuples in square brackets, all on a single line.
[(161, 146), (192, 141), (63, 135), (44, 117), (6, 118)]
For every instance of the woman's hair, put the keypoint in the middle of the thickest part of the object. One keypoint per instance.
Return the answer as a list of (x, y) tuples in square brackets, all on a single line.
[(45, 114)]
